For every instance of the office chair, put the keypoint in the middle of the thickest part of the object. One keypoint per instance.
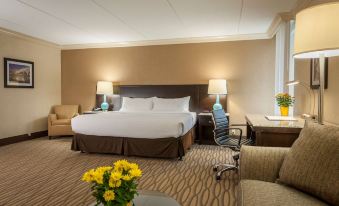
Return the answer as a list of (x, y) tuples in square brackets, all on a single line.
[(224, 136)]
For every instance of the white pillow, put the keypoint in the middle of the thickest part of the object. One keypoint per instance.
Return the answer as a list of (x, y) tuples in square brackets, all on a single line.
[(171, 105), (136, 104)]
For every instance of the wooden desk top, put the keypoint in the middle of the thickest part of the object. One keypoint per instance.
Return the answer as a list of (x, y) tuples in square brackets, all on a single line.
[(260, 121)]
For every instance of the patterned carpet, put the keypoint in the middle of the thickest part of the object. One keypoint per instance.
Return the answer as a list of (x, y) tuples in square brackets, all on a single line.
[(46, 172)]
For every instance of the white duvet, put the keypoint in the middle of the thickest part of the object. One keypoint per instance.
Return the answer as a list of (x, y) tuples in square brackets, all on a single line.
[(135, 124)]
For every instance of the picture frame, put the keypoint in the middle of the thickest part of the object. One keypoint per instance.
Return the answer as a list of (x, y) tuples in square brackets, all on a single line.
[(18, 73), (315, 73)]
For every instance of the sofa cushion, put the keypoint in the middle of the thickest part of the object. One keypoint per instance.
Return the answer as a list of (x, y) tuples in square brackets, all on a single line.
[(311, 165), (256, 192), (61, 122), (66, 111)]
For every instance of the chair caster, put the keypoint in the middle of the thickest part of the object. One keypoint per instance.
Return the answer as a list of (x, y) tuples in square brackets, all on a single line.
[(217, 177), (215, 168)]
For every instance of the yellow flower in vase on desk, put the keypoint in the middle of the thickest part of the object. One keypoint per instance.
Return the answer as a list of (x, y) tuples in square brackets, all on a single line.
[(284, 101)]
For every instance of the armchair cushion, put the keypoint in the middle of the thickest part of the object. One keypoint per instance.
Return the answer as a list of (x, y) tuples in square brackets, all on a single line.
[(61, 122), (254, 193), (66, 111), (312, 162), (261, 163)]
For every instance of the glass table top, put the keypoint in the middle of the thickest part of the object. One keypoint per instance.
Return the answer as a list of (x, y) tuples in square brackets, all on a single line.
[(152, 198)]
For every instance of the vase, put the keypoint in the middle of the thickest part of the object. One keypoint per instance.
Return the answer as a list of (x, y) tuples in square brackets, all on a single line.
[(284, 111)]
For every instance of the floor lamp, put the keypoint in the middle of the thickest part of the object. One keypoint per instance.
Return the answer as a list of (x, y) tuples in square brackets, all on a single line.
[(317, 36), (310, 93)]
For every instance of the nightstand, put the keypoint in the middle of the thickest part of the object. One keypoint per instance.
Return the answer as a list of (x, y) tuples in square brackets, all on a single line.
[(205, 128)]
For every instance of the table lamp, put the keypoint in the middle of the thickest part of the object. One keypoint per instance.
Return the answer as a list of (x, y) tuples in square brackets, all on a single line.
[(310, 92), (217, 87), (105, 88), (317, 36)]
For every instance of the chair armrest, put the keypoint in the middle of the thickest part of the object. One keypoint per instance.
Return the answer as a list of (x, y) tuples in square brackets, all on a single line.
[(231, 128), (228, 129), (261, 163), (51, 118)]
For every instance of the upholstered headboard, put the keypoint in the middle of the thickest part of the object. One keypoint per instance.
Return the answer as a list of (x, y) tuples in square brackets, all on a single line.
[(200, 100)]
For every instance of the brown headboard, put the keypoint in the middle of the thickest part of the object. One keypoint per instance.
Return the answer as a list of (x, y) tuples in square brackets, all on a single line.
[(200, 100)]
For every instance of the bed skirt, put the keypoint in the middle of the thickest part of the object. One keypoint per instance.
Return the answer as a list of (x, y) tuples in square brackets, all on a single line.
[(163, 147)]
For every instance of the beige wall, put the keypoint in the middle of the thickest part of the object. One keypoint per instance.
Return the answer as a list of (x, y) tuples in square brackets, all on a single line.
[(331, 96), (247, 65), (25, 111)]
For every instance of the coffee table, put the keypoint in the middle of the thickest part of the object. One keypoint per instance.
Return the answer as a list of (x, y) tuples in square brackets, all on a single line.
[(152, 198)]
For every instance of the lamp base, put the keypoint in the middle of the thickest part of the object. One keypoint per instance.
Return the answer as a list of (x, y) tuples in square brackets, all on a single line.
[(217, 106), (104, 106)]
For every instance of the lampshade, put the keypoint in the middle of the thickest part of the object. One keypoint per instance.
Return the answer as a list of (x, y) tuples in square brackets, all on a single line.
[(217, 86), (317, 31), (104, 87)]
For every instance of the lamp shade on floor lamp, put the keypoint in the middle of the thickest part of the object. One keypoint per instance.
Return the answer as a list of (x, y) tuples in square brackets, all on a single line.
[(317, 36)]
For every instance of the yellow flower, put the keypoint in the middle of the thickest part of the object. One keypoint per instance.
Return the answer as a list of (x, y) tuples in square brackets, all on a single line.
[(116, 176), (135, 173), (99, 177), (113, 183), (126, 177), (88, 176), (133, 166), (109, 195), (104, 169), (121, 165)]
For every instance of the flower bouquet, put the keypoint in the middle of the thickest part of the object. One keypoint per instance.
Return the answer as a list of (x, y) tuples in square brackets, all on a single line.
[(284, 101), (114, 186)]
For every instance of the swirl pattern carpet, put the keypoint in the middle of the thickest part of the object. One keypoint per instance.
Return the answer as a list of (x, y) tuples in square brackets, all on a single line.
[(46, 172)]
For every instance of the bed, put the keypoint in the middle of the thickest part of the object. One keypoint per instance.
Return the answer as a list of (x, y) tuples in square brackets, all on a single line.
[(151, 133)]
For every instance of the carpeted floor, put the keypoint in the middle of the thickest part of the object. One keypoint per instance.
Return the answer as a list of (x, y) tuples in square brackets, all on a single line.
[(46, 172)]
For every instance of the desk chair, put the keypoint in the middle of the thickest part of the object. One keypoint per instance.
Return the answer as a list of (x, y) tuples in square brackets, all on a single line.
[(224, 136)]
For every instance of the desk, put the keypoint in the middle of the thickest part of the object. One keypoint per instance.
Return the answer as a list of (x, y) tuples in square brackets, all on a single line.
[(273, 133)]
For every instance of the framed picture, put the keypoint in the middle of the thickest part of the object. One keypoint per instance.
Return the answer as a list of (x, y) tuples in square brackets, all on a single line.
[(18, 73), (315, 73)]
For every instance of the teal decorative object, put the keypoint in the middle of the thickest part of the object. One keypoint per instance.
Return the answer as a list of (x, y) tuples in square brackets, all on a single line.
[(217, 104), (104, 105)]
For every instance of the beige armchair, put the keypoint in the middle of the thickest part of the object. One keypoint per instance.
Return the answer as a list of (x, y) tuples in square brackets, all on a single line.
[(305, 174), (259, 174), (59, 120)]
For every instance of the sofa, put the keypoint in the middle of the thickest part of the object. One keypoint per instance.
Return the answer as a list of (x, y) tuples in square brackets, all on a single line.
[(305, 174), (59, 120)]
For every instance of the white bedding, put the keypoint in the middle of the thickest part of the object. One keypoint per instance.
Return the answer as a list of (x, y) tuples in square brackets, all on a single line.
[(135, 124)]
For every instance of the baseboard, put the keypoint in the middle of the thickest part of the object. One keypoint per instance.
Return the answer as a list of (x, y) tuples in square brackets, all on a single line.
[(24, 137)]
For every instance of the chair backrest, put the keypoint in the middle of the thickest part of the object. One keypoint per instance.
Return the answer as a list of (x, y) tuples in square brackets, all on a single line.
[(220, 119), (220, 126), (66, 111)]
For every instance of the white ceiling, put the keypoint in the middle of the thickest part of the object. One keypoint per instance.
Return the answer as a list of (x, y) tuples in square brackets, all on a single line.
[(72, 22)]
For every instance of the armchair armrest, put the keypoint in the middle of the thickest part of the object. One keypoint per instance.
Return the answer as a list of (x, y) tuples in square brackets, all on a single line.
[(261, 163), (51, 117)]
